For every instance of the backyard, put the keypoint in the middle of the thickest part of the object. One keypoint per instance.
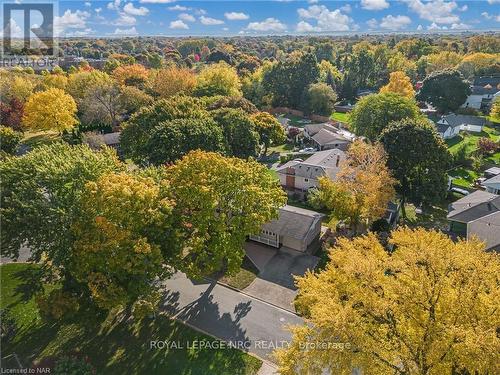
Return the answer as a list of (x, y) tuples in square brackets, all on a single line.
[(114, 344)]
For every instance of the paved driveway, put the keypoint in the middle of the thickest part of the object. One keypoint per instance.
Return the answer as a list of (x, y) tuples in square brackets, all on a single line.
[(275, 282)]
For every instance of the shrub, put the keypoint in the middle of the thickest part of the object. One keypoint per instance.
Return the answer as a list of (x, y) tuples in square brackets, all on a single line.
[(486, 146), (72, 365), (9, 140), (57, 304)]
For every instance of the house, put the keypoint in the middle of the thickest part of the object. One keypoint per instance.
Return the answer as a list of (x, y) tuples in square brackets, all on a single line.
[(483, 91), (492, 172), (303, 175), (492, 184), (296, 228), (449, 126), (477, 214), (326, 136)]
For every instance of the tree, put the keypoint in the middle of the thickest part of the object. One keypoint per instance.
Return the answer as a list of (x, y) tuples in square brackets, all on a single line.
[(14, 87), (373, 113), (445, 90), (239, 131), (12, 113), (101, 104), (219, 202), (9, 140), (39, 194), (51, 109), (270, 130), (59, 81), (233, 102), (320, 99), (429, 307), (131, 75), (170, 140), (418, 158), (120, 238), (477, 64), (399, 83), (362, 188), (495, 109), (137, 131), (441, 61), (79, 83), (486, 145), (218, 79), (171, 81), (287, 80)]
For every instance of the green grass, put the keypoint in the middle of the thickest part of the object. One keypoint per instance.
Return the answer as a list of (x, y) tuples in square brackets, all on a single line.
[(281, 149), (114, 344), (342, 117), (34, 139), (432, 217), (244, 277), (465, 177)]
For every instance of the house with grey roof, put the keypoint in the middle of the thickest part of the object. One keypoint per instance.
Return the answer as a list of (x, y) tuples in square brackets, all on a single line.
[(449, 126), (492, 185), (303, 175), (326, 136), (483, 91), (296, 228), (477, 215)]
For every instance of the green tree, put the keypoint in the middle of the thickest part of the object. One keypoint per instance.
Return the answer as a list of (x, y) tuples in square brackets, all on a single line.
[(418, 159), (170, 140), (218, 79), (320, 99), (270, 130), (219, 202), (40, 191), (429, 307), (9, 140), (446, 90), (373, 113), (239, 131)]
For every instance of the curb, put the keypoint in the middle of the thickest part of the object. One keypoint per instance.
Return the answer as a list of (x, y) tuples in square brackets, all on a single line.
[(251, 296)]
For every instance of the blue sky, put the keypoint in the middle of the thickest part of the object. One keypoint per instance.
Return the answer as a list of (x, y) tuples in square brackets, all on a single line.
[(176, 18)]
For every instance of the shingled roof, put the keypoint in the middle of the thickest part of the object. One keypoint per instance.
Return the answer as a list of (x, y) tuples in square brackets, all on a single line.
[(293, 222)]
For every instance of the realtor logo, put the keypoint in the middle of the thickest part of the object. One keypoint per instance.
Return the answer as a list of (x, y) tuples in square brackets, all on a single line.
[(28, 29)]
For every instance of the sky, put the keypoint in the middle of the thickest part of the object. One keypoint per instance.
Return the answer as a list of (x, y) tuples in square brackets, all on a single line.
[(227, 18)]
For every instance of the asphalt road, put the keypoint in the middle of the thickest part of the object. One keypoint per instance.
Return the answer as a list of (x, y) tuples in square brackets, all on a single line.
[(236, 318)]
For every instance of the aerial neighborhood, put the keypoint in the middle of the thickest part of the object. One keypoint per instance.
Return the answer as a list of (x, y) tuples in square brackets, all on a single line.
[(256, 202)]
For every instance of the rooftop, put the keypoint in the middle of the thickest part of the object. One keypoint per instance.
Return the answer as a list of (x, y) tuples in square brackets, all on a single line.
[(293, 222)]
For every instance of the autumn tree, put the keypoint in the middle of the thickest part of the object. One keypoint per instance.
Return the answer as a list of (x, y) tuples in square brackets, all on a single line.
[(495, 109), (51, 109), (171, 81), (80, 83), (446, 90), (219, 202), (9, 140), (218, 79), (399, 83), (271, 132), (419, 159), (131, 75), (362, 188), (120, 239), (422, 309), (39, 194), (15, 87), (373, 113), (441, 61)]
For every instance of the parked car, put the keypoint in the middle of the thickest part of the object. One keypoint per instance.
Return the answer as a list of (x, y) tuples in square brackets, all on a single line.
[(307, 150)]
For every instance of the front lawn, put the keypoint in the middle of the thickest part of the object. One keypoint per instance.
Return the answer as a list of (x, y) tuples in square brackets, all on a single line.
[(244, 277), (342, 117), (470, 139), (114, 344), (464, 177)]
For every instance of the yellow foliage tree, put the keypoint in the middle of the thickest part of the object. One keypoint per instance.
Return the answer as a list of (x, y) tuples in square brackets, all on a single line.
[(429, 307), (495, 110), (59, 81), (52, 109), (171, 81), (441, 61), (131, 75), (362, 188), (218, 79), (399, 83)]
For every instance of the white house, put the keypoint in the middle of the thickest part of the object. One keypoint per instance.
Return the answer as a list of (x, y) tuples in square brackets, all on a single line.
[(295, 228), (483, 91), (303, 175), (450, 126)]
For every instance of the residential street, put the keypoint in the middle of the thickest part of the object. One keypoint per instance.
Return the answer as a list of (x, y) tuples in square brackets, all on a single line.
[(229, 315)]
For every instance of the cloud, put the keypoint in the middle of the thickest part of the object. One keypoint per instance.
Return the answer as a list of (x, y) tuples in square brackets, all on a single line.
[(391, 22), (420, 27), (178, 7), (70, 20), (125, 20), (493, 1), (312, 1), (269, 24), (327, 20), (433, 26), (372, 23), (374, 4), (463, 8), (236, 16), (187, 17), (15, 29), (131, 31), (491, 16), (130, 9), (98, 10), (87, 4), (178, 25), (78, 33), (114, 5), (208, 21), (346, 8), (460, 26), (306, 27), (438, 11)]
